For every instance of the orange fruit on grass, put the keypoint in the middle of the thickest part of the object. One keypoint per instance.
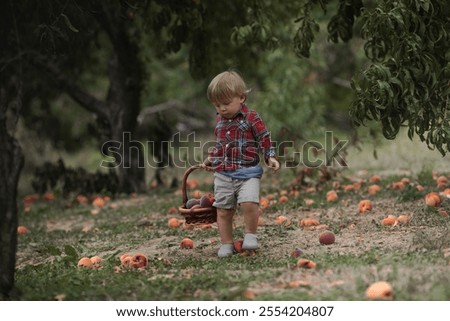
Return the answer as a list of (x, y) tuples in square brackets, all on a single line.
[(98, 202), (306, 264), (81, 199), (96, 261), (403, 218), (125, 259), (441, 181), (375, 179), (22, 229), (398, 185), (264, 202), (85, 262), (49, 196), (283, 199), (238, 246), (187, 243), (380, 290), (433, 199), (364, 206), (281, 219), (332, 196), (139, 261), (446, 192), (373, 189), (173, 222), (389, 220), (308, 222)]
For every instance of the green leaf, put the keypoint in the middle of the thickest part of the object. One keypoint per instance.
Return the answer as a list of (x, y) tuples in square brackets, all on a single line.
[(52, 250), (70, 251)]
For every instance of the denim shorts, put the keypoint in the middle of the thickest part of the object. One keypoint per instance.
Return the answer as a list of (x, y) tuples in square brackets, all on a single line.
[(229, 192)]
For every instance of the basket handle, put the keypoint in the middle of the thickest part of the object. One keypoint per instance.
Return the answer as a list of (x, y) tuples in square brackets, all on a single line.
[(185, 176)]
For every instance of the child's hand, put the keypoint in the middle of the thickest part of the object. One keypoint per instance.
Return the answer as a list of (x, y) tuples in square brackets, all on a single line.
[(206, 164), (273, 163)]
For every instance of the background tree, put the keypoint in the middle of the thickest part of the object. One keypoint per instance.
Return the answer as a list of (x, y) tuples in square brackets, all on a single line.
[(406, 85), (11, 156)]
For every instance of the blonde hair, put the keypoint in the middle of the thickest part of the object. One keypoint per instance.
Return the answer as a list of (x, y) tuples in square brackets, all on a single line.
[(225, 86)]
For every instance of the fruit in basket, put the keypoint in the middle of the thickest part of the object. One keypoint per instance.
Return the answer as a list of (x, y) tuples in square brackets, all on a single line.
[(194, 207), (192, 201), (207, 200)]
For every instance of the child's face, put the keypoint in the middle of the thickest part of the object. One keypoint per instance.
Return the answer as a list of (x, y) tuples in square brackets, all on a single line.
[(228, 109)]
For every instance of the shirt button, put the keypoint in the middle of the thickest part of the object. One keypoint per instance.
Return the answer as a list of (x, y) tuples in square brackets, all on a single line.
[(228, 132), (229, 120), (227, 145)]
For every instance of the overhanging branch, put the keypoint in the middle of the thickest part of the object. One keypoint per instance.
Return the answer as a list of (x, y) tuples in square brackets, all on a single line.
[(86, 100)]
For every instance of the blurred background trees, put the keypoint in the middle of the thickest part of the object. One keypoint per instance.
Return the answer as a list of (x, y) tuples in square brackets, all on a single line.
[(101, 78)]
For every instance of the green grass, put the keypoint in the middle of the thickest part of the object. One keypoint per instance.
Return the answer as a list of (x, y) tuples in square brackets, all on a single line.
[(47, 256)]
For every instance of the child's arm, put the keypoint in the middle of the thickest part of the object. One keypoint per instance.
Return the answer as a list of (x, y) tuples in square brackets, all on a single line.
[(262, 135)]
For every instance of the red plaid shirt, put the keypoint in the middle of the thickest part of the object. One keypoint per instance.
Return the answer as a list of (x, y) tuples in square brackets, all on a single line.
[(239, 140)]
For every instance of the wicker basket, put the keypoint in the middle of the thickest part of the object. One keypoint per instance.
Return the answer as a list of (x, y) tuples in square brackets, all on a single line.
[(203, 215)]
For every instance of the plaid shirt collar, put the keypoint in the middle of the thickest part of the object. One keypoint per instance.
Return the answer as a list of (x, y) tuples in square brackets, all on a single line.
[(243, 111)]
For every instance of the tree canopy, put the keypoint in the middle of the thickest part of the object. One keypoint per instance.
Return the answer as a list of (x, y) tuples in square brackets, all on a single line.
[(407, 82)]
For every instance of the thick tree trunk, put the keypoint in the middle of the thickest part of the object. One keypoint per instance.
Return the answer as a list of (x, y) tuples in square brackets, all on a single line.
[(124, 102), (11, 163)]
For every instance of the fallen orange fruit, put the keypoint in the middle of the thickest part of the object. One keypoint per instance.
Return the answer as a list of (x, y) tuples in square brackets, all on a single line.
[(364, 206), (308, 222), (375, 179), (238, 246), (173, 222), (332, 196), (398, 185), (139, 261), (433, 199), (187, 243), (390, 220), (85, 262), (280, 220), (125, 259), (403, 218), (98, 202), (264, 202), (22, 229), (306, 264), (96, 261), (373, 189), (379, 290)]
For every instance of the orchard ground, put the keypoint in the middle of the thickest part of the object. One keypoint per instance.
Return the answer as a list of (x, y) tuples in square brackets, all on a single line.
[(414, 257)]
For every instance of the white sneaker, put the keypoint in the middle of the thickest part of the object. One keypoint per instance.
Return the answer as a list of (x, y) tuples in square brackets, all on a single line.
[(250, 242), (226, 250)]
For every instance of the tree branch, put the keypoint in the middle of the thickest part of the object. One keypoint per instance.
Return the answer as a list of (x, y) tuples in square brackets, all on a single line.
[(85, 99), (157, 108)]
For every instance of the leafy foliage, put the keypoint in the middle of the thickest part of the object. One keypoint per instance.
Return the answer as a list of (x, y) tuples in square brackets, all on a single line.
[(407, 84)]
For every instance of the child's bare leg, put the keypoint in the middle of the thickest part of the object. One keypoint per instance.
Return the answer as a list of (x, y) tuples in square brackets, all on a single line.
[(225, 225), (250, 213)]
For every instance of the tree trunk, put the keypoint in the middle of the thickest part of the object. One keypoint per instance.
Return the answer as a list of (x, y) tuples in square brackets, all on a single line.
[(11, 163), (124, 103)]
